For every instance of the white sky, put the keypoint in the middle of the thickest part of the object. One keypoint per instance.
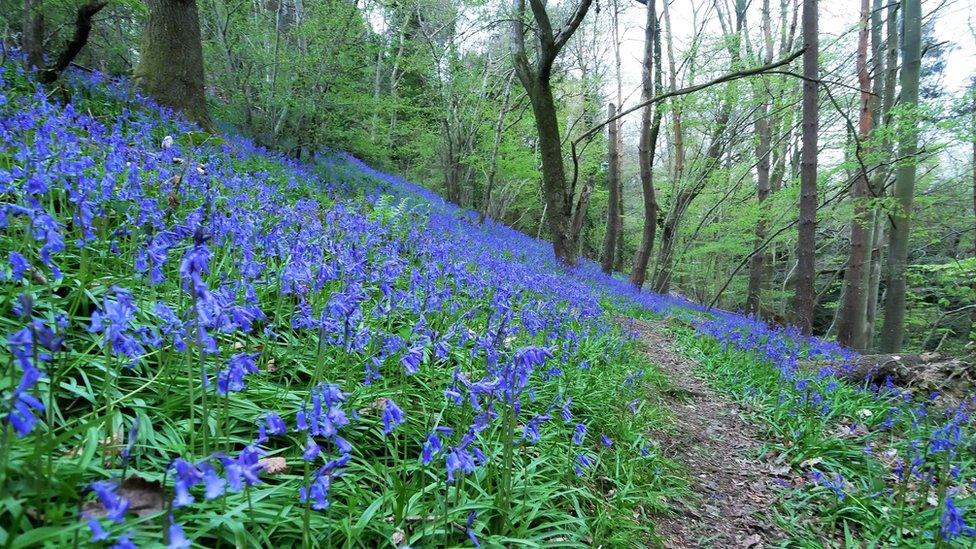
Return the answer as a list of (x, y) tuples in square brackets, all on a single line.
[(955, 22)]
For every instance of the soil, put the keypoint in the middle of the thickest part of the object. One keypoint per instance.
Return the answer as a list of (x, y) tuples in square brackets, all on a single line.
[(732, 490)]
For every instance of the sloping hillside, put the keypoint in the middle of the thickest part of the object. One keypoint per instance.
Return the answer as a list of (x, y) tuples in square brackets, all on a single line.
[(211, 342)]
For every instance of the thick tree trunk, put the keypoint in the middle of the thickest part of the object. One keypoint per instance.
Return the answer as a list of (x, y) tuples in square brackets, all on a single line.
[(553, 173), (32, 33), (613, 201), (806, 244), (171, 59), (893, 331), (646, 147), (851, 313), (535, 78)]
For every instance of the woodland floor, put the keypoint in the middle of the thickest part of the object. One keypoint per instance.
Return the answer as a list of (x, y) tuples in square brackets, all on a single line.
[(732, 491)]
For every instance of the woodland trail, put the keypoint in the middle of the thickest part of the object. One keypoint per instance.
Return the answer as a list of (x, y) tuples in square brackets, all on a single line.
[(732, 492)]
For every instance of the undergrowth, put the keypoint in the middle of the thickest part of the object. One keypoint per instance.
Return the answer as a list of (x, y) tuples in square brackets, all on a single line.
[(874, 465)]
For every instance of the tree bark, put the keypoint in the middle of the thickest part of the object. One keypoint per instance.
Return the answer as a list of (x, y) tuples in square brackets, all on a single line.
[(535, 78), (757, 266), (32, 33), (83, 26), (893, 331), (496, 144), (806, 244), (647, 145), (852, 315), (613, 201), (171, 59), (881, 221)]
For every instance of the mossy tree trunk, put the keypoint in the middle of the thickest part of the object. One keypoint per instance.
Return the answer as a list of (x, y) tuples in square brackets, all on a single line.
[(171, 60)]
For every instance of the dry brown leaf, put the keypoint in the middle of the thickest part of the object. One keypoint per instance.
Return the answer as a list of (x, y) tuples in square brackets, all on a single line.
[(273, 465), (145, 498)]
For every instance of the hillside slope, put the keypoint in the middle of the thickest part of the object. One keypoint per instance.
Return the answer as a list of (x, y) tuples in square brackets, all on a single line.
[(209, 341)]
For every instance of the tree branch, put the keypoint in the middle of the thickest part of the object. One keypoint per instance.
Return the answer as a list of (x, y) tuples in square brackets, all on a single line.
[(83, 26)]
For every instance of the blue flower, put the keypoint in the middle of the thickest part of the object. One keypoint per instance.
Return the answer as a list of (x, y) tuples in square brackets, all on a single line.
[(392, 416), (177, 539), (97, 532), (411, 361), (115, 505), (231, 379), (579, 433), (953, 521)]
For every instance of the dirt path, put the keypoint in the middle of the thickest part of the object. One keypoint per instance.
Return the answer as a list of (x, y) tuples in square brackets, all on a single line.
[(732, 492)]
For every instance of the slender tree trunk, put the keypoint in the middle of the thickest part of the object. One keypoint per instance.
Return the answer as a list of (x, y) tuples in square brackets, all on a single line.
[(893, 331), (878, 251), (619, 261), (496, 144), (646, 147), (851, 315), (806, 245), (613, 202), (171, 59), (757, 265), (32, 33)]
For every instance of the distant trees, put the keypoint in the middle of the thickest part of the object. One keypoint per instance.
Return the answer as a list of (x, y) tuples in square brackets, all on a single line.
[(171, 59)]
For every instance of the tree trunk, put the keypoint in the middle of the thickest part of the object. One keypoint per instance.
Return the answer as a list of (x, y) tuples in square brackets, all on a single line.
[(852, 315), (757, 265), (32, 33), (496, 144), (553, 172), (893, 331), (535, 77), (646, 147), (171, 59), (806, 244), (881, 221), (613, 201)]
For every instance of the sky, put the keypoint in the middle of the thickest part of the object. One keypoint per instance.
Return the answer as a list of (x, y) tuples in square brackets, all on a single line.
[(955, 21)]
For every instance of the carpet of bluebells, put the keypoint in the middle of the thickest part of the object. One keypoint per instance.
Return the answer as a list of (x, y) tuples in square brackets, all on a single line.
[(210, 344)]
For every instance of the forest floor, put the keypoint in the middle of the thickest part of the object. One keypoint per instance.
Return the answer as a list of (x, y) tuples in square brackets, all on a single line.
[(732, 491)]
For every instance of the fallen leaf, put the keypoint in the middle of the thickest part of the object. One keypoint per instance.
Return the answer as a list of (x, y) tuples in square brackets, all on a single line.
[(145, 498), (273, 465), (809, 463)]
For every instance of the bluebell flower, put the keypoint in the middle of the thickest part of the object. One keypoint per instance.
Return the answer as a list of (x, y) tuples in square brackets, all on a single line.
[(97, 532), (467, 528), (115, 505), (412, 359), (18, 266), (392, 416), (177, 539), (123, 543), (605, 440), (583, 462), (953, 521), (567, 413), (579, 433), (231, 379)]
